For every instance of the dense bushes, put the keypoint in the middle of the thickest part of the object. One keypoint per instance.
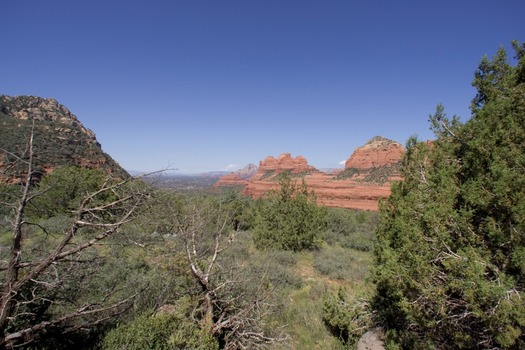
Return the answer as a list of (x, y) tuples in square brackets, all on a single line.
[(351, 228), (61, 191)]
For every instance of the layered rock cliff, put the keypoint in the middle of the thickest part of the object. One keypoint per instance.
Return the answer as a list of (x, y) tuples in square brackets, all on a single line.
[(284, 163), (366, 178), (267, 176), (60, 139)]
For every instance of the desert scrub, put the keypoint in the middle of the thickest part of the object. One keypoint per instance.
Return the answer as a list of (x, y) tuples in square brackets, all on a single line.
[(343, 264), (165, 330)]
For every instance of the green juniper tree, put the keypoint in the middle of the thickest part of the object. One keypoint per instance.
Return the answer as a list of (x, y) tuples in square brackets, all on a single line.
[(451, 240), (289, 219)]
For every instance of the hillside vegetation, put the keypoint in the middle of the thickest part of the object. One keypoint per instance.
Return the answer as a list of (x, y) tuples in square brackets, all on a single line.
[(184, 273)]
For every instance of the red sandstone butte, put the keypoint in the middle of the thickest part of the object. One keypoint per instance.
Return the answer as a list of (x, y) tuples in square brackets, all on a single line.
[(285, 162), (366, 179), (377, 152)]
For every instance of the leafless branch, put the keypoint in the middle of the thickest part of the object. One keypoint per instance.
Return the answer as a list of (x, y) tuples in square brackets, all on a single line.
[(226, 310), (41, 278)]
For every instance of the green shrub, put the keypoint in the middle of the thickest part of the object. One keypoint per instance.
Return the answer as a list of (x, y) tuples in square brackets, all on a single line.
[(342, 264), (164, 330), (63, 190), (351, 228), (289, 219), (347, 317)]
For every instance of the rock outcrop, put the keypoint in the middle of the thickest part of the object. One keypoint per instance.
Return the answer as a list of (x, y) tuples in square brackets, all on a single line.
[(267, 176), (43, 109), (366, 178), (60, 139), (374, 339), (283, 163), (378, 152)]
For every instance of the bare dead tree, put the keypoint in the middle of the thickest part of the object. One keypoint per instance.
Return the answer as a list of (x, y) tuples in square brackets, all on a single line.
[(233, 315), (29, 284)]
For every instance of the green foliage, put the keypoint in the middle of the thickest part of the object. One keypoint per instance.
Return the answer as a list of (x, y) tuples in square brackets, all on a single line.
[(239, 208), (346, 316), (268, 174), (377, 175), (289, 219), (8, 197), (302, 313), (56, 145), (351, 228), (62, 190), (342, 264), (450, 250), (171, 329)]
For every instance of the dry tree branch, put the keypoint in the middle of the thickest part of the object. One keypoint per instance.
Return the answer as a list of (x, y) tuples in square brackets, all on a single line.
[(90, 213)]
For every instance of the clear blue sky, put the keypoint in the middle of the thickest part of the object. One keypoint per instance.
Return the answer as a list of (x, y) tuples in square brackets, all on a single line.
[(213, 85)]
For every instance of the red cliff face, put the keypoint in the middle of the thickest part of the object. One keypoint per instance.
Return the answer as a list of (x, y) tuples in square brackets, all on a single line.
[(266, 178), (367, 176)]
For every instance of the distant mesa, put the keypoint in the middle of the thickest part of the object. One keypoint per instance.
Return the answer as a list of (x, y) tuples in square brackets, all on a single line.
[(60, 139), (365, 180), (247, 172), (283, 163), (239, 177)]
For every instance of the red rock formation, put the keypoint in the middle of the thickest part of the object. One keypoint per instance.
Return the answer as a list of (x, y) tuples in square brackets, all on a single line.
[(377, 152), (347, 193), (366, 178), (266, 178), (285, 162)]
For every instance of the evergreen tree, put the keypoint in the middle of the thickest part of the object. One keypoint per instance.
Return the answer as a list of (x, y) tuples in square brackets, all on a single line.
[(289, 219), (451, 240)]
